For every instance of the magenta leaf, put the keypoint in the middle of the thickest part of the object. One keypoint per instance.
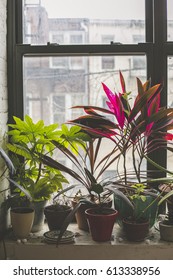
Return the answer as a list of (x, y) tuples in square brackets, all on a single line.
[(115, 105)]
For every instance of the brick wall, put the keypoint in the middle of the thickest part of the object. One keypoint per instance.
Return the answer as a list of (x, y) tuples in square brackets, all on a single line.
[(3, 102), (3, 67)]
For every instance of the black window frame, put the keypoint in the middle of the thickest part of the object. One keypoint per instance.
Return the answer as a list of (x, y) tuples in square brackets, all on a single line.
[(156, 48)]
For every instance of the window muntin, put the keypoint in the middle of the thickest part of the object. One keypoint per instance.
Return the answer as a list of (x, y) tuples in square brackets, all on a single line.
[(170, 81), (170, 20), (121, 18), (170, 102)]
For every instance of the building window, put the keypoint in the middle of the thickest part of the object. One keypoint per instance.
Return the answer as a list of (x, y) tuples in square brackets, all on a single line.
[(57, 38), (76, 39), (107, 39), (108, 62)]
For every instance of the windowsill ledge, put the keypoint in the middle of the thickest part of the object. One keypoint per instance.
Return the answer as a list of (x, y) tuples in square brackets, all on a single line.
[(85, 248)]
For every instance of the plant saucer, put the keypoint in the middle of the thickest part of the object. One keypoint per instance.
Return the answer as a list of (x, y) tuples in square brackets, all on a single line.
[(52, 236)]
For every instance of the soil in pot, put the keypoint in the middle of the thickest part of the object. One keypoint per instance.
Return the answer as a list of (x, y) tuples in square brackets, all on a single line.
[(101, 222), (55, 215), (22, 220), (136, 230)]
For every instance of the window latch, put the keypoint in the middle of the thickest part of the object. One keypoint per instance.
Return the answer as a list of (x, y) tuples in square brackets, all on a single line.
[(52, 44), (115, 43)]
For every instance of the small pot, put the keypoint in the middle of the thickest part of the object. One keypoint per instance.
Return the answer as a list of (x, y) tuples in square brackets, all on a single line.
[(22, 220), (55, 215), (135, 231), (166, 231), (101, 222)]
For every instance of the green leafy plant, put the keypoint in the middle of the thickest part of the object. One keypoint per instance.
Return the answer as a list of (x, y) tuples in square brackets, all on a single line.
[(29, 140)]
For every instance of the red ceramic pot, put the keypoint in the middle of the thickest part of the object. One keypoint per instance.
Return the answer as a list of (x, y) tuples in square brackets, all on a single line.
[(101, 221)]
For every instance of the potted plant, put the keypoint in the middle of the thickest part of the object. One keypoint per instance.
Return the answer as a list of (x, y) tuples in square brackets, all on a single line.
[(21, 217), (100, 217), (57, 212), (34, 179), (136, 224)]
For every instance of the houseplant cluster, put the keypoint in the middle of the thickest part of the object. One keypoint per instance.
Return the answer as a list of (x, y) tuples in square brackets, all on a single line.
[(136, 126)]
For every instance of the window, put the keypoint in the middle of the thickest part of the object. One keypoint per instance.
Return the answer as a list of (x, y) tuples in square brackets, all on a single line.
[(108, 62), (59, 62), (59, 54), (56, 38), (76, 39)]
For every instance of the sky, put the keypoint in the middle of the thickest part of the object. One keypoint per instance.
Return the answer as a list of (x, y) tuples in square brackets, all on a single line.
[(95, 9)]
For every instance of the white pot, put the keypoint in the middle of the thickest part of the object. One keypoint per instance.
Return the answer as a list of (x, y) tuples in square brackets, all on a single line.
[(21, 220)]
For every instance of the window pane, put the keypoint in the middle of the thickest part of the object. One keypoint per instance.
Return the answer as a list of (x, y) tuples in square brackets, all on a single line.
[(53, 84), (83, 22), (170, 20), (51, 90)]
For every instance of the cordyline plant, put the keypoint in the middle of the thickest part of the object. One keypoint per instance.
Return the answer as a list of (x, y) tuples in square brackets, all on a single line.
[(140, 128)]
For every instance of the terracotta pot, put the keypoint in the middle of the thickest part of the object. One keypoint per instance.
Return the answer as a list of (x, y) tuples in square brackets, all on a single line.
[(55, 215), (166, 231), (135, 231), (101, 223), (80, 214), (22, 220)]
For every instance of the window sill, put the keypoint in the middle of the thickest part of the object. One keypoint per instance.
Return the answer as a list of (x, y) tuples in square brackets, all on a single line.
[(85, 248)]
